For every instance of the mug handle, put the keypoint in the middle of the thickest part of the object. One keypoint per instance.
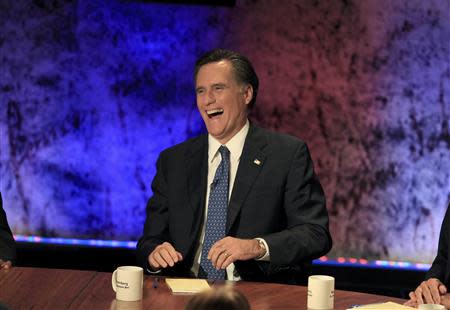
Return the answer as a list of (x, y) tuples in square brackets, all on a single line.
[(113, 280)]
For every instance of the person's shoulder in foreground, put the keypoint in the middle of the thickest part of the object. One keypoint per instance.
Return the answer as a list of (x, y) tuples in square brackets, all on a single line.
[(7, 243)]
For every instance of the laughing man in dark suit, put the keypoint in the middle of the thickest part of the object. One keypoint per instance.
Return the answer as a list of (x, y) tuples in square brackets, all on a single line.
[(240, 200)]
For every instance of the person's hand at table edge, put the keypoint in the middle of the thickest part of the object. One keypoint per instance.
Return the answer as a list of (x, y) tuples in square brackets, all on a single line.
[(429, 291), (163, 256)]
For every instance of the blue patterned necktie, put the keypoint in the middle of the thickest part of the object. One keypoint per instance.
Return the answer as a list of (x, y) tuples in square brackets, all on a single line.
[(217, 214)]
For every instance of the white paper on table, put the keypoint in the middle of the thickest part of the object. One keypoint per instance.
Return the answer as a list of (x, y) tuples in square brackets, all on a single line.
[(187, 286), (382, 306)]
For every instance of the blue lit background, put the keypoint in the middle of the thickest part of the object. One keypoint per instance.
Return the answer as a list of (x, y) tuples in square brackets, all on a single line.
[(92, 91)]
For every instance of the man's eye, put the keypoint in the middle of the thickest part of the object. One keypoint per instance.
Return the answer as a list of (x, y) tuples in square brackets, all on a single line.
[(218, 87), (200, 91)]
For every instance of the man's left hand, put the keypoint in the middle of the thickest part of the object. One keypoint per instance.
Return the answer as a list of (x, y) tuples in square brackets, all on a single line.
[(230, 249)]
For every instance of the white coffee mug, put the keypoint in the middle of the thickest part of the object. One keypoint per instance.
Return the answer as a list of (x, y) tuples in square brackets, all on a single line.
[(431, 307), (320, 292), (127, 282), (126, 305)]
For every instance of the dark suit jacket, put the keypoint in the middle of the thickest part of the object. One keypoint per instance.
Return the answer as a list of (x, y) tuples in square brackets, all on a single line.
[(440, 268), (7, 244), (279, 200)]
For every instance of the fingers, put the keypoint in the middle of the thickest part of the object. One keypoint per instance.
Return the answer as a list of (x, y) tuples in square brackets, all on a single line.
[(229, 259), (412, 297), (217, 255), (429, 291), (442, 289), (163, 256), (418, 293), (221, 253), (426, 293), (223, 261), (230, 249), (412, 302), (433, 285)]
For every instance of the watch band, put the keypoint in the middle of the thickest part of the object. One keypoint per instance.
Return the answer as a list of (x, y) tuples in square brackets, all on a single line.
[(261, 246)]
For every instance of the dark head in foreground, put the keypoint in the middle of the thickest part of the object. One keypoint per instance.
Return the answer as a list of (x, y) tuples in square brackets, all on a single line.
[(223, 298)]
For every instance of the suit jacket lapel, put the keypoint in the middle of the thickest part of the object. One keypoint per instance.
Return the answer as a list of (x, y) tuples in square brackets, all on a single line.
[(197, 173), (250, 164)]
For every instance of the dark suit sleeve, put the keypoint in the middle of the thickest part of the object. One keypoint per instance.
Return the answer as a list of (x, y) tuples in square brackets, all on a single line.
[(306, 236), (439, 267), (156, 223), (7, 243)]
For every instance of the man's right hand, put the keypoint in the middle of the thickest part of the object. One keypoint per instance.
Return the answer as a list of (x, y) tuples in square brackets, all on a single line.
[(163, 256), (429, 291)]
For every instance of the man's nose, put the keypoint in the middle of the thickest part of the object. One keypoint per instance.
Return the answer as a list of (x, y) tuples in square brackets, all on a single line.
[(210, 98)]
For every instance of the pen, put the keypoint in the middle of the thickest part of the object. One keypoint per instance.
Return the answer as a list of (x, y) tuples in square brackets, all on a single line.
[(155, 282)]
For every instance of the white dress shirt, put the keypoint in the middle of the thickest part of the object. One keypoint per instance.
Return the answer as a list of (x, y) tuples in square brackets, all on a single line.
[(235, 146)]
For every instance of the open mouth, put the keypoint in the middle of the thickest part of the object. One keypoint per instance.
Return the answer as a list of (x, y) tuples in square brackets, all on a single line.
[(214, 112)]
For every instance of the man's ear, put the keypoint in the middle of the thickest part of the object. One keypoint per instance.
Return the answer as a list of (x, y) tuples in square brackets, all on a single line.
[(248, 93)]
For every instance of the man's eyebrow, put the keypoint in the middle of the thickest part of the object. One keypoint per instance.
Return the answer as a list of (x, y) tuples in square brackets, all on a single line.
[(213, 85)]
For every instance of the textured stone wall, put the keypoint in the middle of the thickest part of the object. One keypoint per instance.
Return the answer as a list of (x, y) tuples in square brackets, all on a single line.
[(367, 85), (92, 91)]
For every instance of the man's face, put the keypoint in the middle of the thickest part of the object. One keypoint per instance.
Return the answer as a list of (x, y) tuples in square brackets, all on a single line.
[(221, 100)]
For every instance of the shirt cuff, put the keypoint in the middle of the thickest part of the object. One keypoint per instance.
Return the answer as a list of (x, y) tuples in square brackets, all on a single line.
[(266, 256)]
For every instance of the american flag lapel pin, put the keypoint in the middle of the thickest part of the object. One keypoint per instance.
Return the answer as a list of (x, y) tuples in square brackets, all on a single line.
[(257, 162)]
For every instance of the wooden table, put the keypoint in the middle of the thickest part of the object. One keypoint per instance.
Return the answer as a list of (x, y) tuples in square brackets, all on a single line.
[(39, 288)]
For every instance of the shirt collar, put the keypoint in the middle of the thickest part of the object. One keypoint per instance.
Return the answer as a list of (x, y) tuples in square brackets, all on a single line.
[(235, 145)]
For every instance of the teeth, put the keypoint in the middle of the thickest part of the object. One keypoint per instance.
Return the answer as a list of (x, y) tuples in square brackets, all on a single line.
[(215, 111)]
